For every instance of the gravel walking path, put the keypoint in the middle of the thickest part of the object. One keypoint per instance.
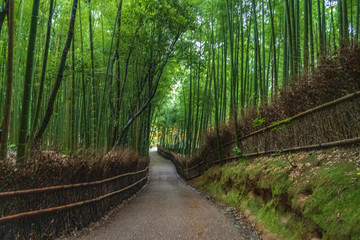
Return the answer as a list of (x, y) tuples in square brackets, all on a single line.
[(166, 209)]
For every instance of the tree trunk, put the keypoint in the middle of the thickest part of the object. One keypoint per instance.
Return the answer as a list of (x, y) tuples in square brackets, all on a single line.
[(312, 49), (256, 65), (341, 22), (59, 77), (233, 105), (285, 51), (323, 19), (288, 15), (274, 48), (320, 32), (333, 26), (43, 72), (345, 22), (25, 116), (216, 95), (306, 36), (122, 135), (357, 21), (10, 64), (3, 14), (93, 87)]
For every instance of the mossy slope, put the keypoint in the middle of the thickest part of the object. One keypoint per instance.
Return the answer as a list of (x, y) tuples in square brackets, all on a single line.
[(296, 196)]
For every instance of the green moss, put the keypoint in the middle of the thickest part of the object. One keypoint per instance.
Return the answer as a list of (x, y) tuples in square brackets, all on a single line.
[(323, 199), (334, 205), (281, 124)]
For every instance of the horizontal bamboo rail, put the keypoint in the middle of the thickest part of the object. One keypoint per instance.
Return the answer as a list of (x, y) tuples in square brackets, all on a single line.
[(312, 110), (295, 149), (6, 219), (302, 114), (277, 124), (196, 165), (308, 147), (63, 187)]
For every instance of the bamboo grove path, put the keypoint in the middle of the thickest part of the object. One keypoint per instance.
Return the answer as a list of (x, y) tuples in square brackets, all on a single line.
[(166, 209)]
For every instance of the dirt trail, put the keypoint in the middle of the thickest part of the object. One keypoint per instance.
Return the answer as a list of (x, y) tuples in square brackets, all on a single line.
[(166, 209)]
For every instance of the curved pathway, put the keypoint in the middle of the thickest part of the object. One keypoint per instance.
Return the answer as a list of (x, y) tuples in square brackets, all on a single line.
[(166, 209)]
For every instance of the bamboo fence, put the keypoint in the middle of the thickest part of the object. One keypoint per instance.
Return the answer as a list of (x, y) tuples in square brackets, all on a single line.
[(50, 211), (336, 123)]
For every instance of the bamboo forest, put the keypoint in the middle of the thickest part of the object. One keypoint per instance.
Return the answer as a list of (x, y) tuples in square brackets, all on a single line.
[(253, 102)]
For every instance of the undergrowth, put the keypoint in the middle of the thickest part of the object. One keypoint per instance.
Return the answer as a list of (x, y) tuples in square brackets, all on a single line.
[(49, 168), (319, 198), (332, 79)]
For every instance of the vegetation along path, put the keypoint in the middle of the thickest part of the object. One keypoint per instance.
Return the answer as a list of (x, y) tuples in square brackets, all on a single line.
[(167, 209)]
